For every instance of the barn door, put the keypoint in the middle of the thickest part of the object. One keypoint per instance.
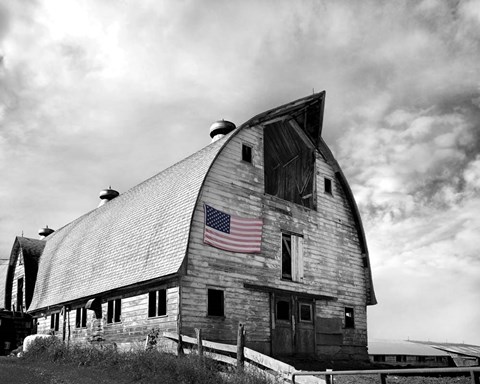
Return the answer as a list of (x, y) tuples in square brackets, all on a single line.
[(304, 328), (282, 326), (293, 327)]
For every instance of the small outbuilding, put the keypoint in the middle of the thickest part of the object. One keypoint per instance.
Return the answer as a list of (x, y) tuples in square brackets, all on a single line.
[(399, 353)]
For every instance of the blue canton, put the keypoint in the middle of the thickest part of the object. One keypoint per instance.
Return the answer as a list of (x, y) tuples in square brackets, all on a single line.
[(218, 220)]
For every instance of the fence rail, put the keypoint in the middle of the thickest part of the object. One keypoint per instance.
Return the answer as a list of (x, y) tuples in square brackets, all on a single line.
[(244, 357), (382, 374)]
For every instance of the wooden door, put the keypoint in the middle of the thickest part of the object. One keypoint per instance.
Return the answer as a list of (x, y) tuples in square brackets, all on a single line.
[(305, 328), (293, 326), (282, 326)]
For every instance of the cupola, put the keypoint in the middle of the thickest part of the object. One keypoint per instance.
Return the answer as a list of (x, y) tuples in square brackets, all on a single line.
[(107, 195), (220, 128), (44, 232)]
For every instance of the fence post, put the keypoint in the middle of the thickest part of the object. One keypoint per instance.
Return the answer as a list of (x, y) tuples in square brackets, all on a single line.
[(198, 332), (179, 345), (474, 377), (383, 378), (329, 378), (240, 346)]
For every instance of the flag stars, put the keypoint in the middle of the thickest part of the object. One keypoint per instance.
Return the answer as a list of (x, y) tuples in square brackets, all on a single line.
[(218, 220)]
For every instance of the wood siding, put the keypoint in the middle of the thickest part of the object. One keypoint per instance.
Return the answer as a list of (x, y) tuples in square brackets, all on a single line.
[(130, 332), (333, 264)]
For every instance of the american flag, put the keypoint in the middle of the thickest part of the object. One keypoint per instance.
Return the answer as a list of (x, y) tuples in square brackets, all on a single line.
[(232, 233)]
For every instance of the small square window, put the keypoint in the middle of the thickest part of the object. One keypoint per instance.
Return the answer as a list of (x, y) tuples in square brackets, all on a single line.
[(246, 153), (215, 303), (349, 319), (328, 185), (305, 312)]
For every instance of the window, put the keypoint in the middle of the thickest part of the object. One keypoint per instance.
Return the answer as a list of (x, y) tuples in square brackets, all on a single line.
[(215, 303), (54, 321), (20, 294), (114, 311), (283, 310), (328, 186), (157, 303), (349, 319), (401, 358), (292, 257), (246, 153), (81, 318), (305, 312), (379, 358), (420, 359)]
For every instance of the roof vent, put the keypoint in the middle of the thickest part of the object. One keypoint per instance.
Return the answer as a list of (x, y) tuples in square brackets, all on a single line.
[(220, 128), (44, 232), (107, 195)]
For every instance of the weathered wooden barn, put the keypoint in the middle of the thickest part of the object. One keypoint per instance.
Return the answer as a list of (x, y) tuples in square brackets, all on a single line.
[(259, 227)]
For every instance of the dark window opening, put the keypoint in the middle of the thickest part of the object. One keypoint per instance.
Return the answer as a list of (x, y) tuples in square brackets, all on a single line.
[(246, 153), (289, 165), (379, 358), (349, 319), (81, 318), (55, 321), (215, 303), (283, 310), (286, 256), (305, 312), (401, 358), (114, 311), (328, 186), (421, 359), (157, 303), (20, 294)]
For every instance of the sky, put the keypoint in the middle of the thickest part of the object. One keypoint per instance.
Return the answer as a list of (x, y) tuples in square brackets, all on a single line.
[(108, 93)]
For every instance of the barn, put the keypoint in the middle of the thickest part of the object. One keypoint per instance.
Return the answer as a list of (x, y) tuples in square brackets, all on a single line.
[(259, 227)]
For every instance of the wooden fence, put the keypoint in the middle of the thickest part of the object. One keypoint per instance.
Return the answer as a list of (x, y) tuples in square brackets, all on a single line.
[(240, 356), (473, 372)]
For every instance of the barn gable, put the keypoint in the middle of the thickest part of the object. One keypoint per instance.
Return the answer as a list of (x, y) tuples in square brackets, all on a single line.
[(23, 264), (313, 229)]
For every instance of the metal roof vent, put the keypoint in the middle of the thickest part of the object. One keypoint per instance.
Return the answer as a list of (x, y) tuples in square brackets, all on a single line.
[(220, 128), (107, 195), (44, 232)]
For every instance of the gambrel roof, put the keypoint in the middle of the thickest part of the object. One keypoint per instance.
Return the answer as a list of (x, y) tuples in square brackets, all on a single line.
[(143, 234)]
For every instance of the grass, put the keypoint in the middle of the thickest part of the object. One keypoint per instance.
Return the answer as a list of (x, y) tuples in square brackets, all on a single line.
[(139, 366)]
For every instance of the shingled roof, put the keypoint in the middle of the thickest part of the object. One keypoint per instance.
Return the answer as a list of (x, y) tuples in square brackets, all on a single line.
[(139, 236)]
